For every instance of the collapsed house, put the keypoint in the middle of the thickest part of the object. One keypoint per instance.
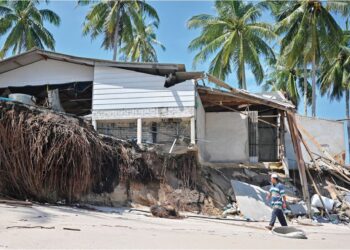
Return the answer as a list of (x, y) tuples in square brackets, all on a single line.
[(162, 104)]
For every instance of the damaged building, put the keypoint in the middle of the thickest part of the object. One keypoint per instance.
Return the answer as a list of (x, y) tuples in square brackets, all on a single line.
[(177, 111), (165, 105)]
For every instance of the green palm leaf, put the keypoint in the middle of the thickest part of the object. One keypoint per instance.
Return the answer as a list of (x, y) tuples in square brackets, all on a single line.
[(232, 39), (23, 24)]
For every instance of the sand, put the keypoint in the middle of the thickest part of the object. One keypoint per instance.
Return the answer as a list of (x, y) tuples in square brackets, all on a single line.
[(120, 228)]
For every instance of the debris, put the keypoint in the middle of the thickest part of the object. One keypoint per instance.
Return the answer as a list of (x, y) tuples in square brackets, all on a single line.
[(297, 209), (71, 229), (300, 209), (289, 232), (231, 209), (252, 201), (30, 227), (316, 202), (308, 222), (16, 202), (165, 212), (33, 140)]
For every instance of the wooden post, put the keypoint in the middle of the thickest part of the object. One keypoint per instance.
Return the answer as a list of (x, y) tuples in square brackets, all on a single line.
[(139, 131), (282, 145), (294, 132), (193, 131)]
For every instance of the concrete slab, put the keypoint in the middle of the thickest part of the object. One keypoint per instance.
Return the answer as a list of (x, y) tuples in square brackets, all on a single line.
[(252, 201), (298, 209)]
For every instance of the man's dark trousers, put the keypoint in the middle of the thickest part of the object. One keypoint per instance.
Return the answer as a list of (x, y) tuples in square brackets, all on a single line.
[(279, 214)]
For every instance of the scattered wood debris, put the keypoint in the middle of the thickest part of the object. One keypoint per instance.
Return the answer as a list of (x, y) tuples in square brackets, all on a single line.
[(30, 227), (71, 229), (16, 202)]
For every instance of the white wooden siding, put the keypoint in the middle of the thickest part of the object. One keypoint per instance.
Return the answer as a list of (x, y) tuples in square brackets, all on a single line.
[(46, 72), (116, 89)]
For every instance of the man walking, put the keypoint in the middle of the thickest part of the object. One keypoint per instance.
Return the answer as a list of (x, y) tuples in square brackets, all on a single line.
[(278, 201)]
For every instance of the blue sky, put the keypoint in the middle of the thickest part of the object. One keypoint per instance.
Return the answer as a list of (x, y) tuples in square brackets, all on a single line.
[(172, 33)]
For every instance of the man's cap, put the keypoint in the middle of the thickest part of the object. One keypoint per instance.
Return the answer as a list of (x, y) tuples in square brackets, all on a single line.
[(275, 176)]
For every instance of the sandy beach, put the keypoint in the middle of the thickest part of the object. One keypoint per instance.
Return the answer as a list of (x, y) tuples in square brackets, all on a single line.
[(49, 227)]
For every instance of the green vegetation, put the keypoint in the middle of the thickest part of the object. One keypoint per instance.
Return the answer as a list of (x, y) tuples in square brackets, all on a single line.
[(235, 38), (117, 21), (138, 45), (307, 35), (23, 24)]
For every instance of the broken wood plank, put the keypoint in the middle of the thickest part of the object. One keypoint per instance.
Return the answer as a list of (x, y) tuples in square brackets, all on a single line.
[(30, 227), (71, 229), (243, 113), (295, 135), (342, 188), (16, 202), (318, 192)]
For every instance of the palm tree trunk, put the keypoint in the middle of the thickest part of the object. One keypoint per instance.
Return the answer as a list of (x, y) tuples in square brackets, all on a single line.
[(314, 85), (21, 42), (305, 89), (116, 37), (242, 66), (347, 112), (244, 84)]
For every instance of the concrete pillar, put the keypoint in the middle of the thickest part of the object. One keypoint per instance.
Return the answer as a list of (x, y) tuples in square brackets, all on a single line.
[(54, 100), (139, 131), (94, 124), (193, 130)]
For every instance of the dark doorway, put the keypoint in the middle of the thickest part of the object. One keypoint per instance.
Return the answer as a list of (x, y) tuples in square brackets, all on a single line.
[(268, 137)]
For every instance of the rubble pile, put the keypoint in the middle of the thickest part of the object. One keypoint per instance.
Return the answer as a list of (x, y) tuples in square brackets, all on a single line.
[(53, 157), (48, 156)]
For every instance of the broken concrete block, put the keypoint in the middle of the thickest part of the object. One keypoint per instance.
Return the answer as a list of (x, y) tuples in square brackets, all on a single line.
[(316, 202), (251, 201), (297, 209)]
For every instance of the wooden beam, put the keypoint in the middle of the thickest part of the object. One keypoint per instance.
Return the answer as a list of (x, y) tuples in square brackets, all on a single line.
[(300, 161), (235, 110)]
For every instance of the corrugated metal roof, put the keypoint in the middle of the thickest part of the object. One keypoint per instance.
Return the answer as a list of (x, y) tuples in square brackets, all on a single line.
[(36, 55)]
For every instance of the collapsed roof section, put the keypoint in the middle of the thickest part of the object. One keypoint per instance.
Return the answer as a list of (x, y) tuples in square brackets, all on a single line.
[(226, 94), (242, 99)]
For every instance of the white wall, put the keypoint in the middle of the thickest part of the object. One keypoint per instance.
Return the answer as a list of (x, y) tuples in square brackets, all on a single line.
[(226, 137), (116, 89), (328, 134), (46, 72), (200, 128)]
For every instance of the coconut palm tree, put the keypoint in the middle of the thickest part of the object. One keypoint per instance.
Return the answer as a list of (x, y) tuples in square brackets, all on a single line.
[(23, 25), (308, 30), (234, 38), (335, 77), (113, 19), (139, 45), (288, 80)]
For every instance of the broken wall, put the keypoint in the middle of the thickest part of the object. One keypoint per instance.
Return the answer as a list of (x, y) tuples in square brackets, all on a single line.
[(226, 137), (321, 136)]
